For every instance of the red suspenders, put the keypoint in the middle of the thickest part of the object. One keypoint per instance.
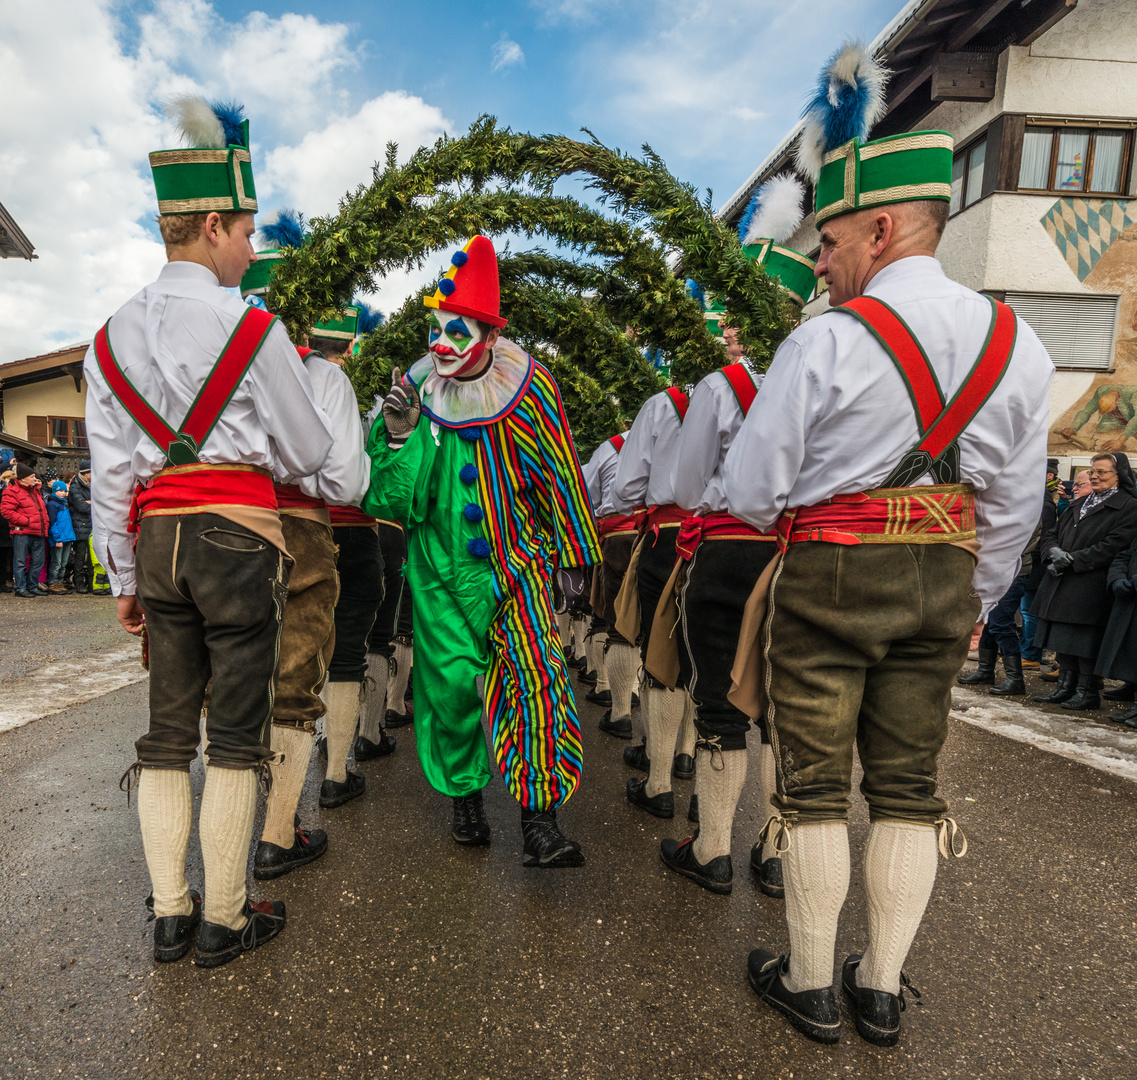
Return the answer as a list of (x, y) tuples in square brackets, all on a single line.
[(181, 447), (679, 400), (742, 384), (617, 442)]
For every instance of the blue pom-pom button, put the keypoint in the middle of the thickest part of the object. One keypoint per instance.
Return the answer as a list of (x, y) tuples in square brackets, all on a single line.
[(468, 473), (473, 512), (459, 258), (478, 547), (470, 434), (446, 286)]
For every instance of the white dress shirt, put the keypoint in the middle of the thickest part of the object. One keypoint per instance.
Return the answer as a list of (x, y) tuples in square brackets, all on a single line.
[(834, 417), (166, 339), (709, 428), (643, 472), (600, 476)]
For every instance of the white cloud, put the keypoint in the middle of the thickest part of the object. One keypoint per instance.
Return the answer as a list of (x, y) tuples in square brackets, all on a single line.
[(573, 11), (506, 53)]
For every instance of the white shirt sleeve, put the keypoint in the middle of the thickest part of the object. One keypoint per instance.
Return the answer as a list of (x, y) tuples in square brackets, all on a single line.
[(699, 450), (629, 490)]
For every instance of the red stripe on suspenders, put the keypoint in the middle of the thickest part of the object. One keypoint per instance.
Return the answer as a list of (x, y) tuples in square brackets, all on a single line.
[(122, 388), (617, 442), (679, 400), (906, 352), (742, 385)]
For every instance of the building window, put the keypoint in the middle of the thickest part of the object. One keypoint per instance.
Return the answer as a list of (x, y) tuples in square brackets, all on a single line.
[(1078, 330), (1062, 160), (66, 432), (967, 176)]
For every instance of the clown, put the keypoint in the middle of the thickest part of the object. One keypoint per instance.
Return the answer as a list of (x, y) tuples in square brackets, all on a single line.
[(472, 454)]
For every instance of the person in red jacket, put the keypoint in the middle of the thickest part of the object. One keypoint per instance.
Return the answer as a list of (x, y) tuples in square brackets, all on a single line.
[(23, 508)]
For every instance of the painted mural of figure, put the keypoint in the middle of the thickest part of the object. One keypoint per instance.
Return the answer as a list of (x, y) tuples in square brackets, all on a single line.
[(1115, 409), (472, 454)]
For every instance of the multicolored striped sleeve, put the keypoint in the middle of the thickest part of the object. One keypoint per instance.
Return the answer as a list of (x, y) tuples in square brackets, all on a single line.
[(567, 503)]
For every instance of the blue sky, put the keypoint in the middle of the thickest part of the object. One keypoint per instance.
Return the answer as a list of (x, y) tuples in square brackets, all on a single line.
[(711, 86)]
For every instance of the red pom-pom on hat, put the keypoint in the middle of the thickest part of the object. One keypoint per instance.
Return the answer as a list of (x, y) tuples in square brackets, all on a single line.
[(470, 286)]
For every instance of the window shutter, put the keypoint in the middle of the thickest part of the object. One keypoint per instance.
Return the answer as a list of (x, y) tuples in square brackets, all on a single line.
[(1078, 331), (39, 431)]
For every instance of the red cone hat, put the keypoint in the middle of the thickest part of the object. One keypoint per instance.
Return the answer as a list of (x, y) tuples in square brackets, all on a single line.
[(470, 286)]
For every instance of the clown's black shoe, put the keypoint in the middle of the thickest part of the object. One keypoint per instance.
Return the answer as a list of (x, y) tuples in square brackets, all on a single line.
[(469, 825), (546, 846)]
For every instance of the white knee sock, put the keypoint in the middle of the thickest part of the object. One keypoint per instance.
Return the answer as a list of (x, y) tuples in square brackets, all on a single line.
[(228, 806), (900, 870), (165, 812), (397, 685), (816, 871), (719, 778), (644, 724), (687, 731), (375, 696), (295, 746), (579, 633), (599, 641), (622, 663), (564, 629), (666, 718), (339, 726), (768, 777)]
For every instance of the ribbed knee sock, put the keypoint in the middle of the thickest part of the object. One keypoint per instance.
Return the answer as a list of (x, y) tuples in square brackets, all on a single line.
[(687, 731), (228, 806), (816, 872), (719, 778), (295, 745), (564, 629), (644, 724), (900, 870), (397, 685), (622, 662), (375, 696), (666, 718), (339, 726), (768, 778), (165, 813), (598, 643)]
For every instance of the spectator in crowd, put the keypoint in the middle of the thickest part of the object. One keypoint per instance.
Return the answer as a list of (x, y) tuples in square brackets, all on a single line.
[(1073, 600), (1080, 486), (22, 506), (1118, 656), (61, 537), (1031, 654), (79, 503), (7, 473)]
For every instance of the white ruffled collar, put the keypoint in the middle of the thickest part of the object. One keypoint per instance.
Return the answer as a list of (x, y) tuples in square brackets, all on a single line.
[(456, 403)]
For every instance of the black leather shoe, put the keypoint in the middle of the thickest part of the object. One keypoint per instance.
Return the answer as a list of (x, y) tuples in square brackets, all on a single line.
[(366, 750), (1062, 692), (984, 674), (217, 944), (577, 663), (814, 1013), (1125, 692), (469, 825), (395, 719), (1013, 683), (273, 861), (661, 805), (1086, 695), (1124, 715), (600, 697), (546, 847), (587, 677), (683, 767), (877, 1011), (635, 757), (620, 729), (768, 872), (717, 876), (333, 793), (173, 934)]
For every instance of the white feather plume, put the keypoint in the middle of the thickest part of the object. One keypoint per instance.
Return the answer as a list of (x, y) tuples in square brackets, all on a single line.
[(777, 209), (196, 121)]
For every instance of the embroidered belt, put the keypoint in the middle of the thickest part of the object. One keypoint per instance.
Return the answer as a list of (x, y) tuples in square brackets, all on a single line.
[(290, 497), (694, 530), (200, 489), (349, 515), (936, 514), (615, 524)]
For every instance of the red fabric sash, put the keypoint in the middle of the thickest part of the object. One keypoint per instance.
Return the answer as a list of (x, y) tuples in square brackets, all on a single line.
[(658, 517), (182, 488), (612, 524), (694, 530), (349, 515), (679, 400), (290, 497), (617, 441), (742, 385), (935, 514)]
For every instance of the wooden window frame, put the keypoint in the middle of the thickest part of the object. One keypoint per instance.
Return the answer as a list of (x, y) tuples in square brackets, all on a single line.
[(1085, 193), (69, 420), (989, 165)]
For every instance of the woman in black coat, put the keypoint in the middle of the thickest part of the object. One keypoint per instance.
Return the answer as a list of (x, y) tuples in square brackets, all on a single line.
[(1118, 656), (1073, 601)]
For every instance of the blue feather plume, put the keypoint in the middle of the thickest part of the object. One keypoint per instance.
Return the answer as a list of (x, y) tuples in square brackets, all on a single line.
[(696, 290), (286, 231), (232, 116), (369, 319)]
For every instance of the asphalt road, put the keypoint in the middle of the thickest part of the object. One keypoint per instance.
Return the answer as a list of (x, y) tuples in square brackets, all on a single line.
[(407, 956)]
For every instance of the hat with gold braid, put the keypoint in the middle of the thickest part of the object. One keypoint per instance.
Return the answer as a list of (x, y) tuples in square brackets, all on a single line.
[(850, 173), (774, 213), (215, 171)]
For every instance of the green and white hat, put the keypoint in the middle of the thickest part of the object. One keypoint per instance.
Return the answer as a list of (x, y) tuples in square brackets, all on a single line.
[(774, 213), (215, 171), (340, 326), (851, 172), (284, 230)]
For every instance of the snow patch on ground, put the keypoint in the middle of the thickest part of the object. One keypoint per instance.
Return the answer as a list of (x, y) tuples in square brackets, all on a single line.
[(55, 687), (1112, 748)]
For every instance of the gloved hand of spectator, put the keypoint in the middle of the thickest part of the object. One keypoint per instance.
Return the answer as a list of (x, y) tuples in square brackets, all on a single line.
[(1124, 587), (1059, 561), (401, 410)]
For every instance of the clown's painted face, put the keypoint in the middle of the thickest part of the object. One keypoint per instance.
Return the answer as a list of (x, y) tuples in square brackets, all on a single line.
[(456, 343)]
